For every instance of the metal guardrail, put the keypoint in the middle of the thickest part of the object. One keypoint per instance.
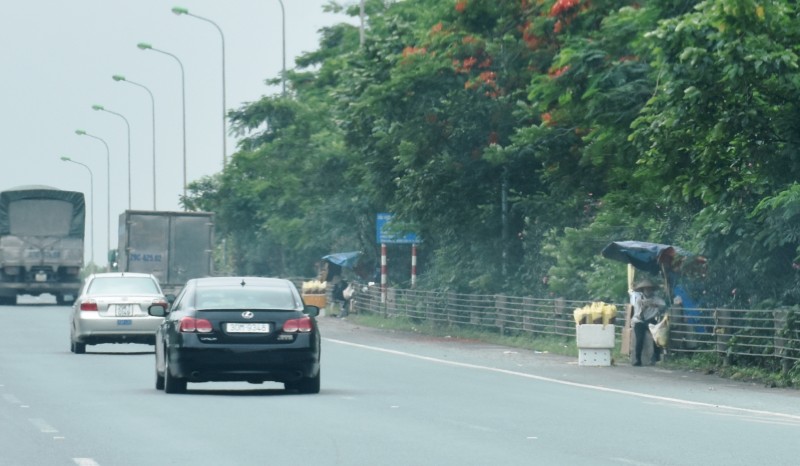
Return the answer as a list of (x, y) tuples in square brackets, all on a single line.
[(737, 335)]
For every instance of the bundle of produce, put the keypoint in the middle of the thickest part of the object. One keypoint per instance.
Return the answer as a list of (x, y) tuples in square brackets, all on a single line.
[(314, 287), (596, 313)]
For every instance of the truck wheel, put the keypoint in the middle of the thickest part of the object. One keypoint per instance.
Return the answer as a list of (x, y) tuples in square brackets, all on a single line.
[(8, 300)]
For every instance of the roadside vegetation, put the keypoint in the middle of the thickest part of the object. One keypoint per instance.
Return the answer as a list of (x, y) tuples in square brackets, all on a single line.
[(517, 138)]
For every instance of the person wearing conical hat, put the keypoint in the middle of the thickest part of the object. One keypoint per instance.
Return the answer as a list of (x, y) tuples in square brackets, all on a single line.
[(646, 309)]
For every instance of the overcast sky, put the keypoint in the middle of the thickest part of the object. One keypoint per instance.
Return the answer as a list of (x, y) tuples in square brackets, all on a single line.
[(58, 59)]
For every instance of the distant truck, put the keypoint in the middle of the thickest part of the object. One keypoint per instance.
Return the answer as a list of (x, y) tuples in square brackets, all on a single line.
[(173, 246), (41, 242)]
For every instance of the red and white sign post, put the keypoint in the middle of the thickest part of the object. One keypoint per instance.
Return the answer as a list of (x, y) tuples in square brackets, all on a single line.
[(384, 275), (413, 265)]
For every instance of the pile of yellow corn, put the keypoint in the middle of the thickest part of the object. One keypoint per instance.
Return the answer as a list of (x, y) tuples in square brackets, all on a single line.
[(596, 313)]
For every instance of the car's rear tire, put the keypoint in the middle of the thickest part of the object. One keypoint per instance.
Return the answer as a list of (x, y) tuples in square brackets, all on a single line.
[(159, 377), (78, 348), (308, 385), (172, 384)]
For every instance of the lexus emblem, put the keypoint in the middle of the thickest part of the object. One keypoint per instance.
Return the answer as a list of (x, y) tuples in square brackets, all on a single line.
[(247, 314)]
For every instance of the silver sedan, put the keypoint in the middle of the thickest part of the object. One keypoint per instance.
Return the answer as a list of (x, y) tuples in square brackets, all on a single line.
[(112, 308)]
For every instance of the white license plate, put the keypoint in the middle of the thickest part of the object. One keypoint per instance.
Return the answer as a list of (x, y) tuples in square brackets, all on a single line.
[(123, 310), (235, 327)]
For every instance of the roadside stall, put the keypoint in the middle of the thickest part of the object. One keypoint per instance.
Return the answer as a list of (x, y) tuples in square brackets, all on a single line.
[(675, 267)]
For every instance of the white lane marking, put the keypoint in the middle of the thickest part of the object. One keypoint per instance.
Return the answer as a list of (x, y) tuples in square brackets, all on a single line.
[(43, 426), (85, 462), (571, 384), (11, 398)]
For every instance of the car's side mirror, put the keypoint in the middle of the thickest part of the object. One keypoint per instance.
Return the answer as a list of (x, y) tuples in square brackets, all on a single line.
[(311, 310), (157, 310)]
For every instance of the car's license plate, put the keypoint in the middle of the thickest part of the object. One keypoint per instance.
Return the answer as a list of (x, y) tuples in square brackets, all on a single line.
[(235, 327), (124, 322), (123, 310)]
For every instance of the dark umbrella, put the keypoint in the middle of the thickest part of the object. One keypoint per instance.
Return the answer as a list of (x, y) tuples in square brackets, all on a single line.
[(651, 257)]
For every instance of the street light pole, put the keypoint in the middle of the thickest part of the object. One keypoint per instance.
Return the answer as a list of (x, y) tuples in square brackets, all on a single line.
[(144, 46), (183, 11), (91, 198), (103, 109), (81, 132), (283, 42), (119, 78)]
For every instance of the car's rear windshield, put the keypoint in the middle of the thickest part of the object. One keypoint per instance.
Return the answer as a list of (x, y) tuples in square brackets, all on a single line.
[(245, 298), (122, 286)]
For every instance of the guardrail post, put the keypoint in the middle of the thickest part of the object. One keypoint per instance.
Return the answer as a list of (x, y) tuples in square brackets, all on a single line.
[(559, 304), (722, 320), (781, 343), (527, 318), (500, 302)]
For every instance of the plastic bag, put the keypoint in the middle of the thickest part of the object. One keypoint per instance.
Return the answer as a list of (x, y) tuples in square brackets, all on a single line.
[(660, 332), (348, 292)]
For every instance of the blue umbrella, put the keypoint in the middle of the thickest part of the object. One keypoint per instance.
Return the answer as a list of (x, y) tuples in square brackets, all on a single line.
[(343, 259)]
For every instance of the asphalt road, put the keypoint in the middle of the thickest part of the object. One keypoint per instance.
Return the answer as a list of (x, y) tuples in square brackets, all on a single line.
[(387, 399)]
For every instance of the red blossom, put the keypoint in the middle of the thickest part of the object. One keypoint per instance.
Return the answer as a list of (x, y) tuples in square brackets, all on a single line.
[(413, 51), (487, 76), (563, 6), (553, 74), (469, 63), (461, 6), (437, 27)]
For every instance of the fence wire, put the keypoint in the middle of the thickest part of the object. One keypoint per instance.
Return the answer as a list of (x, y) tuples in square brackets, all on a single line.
[(762, 337)]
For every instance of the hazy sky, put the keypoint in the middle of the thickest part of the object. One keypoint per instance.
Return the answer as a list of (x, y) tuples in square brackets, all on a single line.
[(58, 59)]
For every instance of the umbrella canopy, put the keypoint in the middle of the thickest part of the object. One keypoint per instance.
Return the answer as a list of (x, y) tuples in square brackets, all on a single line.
[(343, 259), (649, 257)]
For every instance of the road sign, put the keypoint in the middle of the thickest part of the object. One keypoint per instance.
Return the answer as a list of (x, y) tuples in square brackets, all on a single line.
[(390, 234)]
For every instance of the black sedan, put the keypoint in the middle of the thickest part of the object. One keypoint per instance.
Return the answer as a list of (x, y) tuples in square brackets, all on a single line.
[(251, 329)]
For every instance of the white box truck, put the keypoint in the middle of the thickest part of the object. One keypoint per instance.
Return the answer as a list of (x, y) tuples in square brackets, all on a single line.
[(173, 246)]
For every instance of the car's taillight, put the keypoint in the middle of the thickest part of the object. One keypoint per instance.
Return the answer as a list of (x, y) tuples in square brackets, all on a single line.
[(301, 325), (191, 325), (89, 305)]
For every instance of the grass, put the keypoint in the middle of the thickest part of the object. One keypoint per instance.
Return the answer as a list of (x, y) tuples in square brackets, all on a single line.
[(554, 345), (709, 363)]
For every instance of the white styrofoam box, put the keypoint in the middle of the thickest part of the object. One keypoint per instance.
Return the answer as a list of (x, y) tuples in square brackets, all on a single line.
[(595, 336), (594, 357)]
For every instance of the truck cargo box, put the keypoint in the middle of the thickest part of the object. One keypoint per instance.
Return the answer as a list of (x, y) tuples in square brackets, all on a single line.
[(173, 246)]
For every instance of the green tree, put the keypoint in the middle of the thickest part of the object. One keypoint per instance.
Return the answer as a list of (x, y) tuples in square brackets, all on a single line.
[(720, 132)]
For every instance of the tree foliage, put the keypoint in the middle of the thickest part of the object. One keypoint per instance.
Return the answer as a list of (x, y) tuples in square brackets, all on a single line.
[(520, 137)]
